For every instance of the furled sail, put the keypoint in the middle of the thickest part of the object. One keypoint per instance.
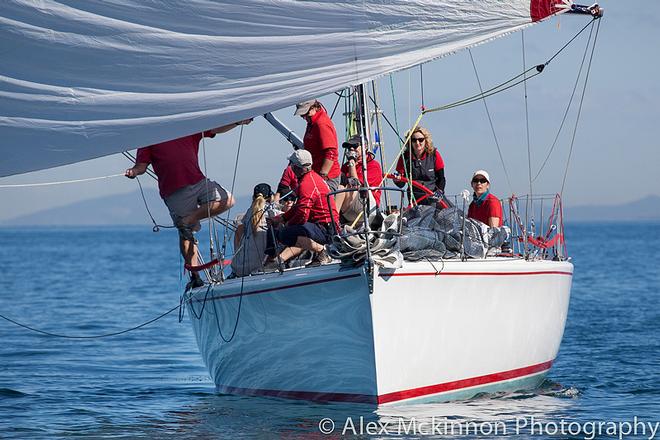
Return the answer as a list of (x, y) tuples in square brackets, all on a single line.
[(84, 79)]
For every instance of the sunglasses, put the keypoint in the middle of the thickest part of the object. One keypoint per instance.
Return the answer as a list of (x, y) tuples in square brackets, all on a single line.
[(482, 180), (418, 139)]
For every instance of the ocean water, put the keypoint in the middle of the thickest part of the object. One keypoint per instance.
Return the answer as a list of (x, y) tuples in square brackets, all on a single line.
[(151, 383)]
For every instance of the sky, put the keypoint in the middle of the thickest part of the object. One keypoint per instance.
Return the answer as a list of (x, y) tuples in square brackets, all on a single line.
[(615, 153)]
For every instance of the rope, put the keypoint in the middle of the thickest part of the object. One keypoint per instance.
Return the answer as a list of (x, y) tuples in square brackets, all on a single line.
[(490, 121), (233, 183), (106, 335), (61, 182), (570, 103), (156, 227), (506, 84), (577, 120)]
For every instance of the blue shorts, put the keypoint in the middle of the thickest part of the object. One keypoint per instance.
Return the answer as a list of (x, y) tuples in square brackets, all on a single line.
[(320, 233)]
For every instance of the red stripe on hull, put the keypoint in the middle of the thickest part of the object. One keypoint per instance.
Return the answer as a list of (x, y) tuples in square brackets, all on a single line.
[(390, 397), (464, 383), (540, 9), (422, 274)]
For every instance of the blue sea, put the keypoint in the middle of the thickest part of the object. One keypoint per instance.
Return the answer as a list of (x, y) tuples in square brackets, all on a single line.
[(151, 382)]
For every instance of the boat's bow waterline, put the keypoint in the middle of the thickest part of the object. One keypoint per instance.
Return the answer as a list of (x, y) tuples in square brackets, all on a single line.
[(438, 331)]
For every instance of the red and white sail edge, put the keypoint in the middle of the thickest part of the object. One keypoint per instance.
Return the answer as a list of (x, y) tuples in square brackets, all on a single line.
[(80, 80)]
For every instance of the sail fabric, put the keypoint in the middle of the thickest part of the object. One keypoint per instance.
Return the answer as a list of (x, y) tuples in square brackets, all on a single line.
[(84, 79)]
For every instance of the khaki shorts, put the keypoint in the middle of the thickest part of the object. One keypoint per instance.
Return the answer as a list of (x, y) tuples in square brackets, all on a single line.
[(186, 200)]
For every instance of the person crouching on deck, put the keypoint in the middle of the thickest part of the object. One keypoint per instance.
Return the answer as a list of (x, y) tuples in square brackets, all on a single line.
[(308, 223), (485, 207)]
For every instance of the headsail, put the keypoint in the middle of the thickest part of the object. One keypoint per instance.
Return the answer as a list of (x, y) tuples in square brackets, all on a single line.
[(80, 80)]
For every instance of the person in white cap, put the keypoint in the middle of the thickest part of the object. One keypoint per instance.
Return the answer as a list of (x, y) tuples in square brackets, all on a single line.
[(309, 225), (485, 207)]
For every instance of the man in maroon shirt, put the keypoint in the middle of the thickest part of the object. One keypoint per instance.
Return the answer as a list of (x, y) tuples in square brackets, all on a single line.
[(188, 194), (308, 223)]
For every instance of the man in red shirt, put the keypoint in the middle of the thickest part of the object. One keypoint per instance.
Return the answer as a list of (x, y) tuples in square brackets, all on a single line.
[(188, 194), (321, 141), (485, 207), (308, 223), (352, 205)]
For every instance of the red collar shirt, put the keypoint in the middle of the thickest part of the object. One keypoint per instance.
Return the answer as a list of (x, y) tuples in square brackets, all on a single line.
[(374, 174), (491, 207), (321, 141), (312, 203)]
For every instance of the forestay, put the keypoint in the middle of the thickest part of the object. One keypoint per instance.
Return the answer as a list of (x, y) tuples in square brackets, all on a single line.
[(84, 79)]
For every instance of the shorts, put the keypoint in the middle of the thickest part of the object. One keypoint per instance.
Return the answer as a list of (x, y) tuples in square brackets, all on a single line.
[(356, 208), (186, 200), (333, 183), (320, 233)]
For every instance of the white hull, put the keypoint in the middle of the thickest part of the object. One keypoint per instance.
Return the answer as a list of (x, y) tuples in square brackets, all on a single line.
[(318, 334)]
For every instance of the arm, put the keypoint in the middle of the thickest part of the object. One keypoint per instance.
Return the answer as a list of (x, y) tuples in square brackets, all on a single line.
[(226, 128), (440, 180), (137, 170), (495, 213), (400, 168), (439, 167)]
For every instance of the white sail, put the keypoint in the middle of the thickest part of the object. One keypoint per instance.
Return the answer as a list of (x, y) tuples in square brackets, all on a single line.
[(84, 79)]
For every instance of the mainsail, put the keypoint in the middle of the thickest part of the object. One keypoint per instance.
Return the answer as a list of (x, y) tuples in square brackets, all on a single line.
[(80, 80)]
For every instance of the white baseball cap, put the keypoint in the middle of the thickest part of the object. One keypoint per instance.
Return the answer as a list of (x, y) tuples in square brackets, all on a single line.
[(301, 158), (481, 173)]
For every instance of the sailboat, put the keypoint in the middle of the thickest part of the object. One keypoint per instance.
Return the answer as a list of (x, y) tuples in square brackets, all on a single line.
[(79, 82)]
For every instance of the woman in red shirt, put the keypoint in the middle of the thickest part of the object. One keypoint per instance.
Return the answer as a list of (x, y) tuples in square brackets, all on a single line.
[(485, 207)]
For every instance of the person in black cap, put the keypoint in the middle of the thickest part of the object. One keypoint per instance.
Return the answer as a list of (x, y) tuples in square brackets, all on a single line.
[(251, 234), (352, 204)]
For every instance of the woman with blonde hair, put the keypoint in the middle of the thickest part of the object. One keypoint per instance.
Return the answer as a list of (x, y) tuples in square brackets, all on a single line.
[(252, 232), (422, 163)]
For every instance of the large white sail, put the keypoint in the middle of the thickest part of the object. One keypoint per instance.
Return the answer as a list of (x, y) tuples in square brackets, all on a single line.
[(84, 79)]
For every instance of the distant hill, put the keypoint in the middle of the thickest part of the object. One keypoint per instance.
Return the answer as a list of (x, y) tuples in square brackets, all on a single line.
[(128, 209), (645, 209), (120, 209)]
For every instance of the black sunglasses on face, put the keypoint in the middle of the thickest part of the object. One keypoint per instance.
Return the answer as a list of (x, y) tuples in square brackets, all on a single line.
[(479, 181), (418, 139)]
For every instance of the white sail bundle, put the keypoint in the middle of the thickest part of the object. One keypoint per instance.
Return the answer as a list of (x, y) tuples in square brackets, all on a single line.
[(80, 80)]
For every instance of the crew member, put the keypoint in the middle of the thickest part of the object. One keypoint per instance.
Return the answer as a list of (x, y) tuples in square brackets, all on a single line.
[(485, 207), (188, 194), (422, 162)]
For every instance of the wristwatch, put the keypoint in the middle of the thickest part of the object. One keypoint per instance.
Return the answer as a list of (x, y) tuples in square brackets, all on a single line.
[(324, 175)]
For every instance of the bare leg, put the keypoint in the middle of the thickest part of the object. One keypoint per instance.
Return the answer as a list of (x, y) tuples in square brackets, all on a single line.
[(290, 252), (308, 244), (214, 208), (188, 251)]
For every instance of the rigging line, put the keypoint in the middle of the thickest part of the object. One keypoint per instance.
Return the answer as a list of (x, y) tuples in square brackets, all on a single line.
[(233, 183), (529, 149), (339, 97), (61, 182), (133, 159), (395, 130), (490, 121), (396, 118), (208, 203), (500, 87), (156, 227), (487, 93), (577, 120), (106, 335), (421, 85), (528, 202), (568, 107)]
